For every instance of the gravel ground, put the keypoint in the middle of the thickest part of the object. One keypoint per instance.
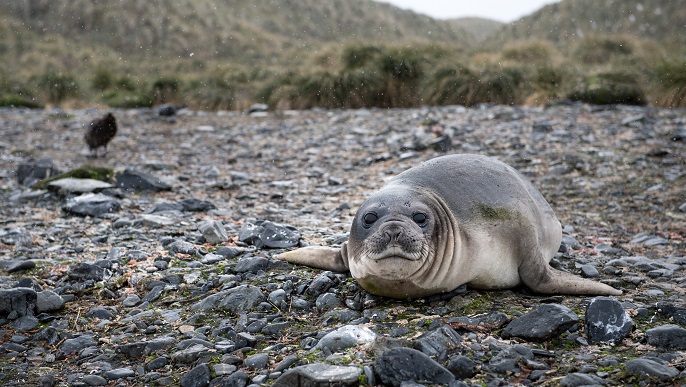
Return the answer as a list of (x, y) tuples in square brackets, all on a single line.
[(139, 296)]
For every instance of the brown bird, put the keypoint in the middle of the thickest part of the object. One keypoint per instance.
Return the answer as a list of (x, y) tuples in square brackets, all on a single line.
[(99, 132)]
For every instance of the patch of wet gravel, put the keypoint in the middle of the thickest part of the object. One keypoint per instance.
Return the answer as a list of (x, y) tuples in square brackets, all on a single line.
[(173, 283)]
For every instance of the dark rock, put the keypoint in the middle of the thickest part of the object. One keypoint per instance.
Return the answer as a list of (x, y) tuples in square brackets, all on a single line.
[(119, 373), (678, 315), (132, 350), (438, 343), (99, 132), (240, 299), (257, 108), (48, 301), (213, 231), (321, 283), (140, 181), (327, 301), (258, 361), (196, 205), (32, 171), (182, 247), (17, 265), (577, 379), (405, 364), (320, 375), (154, 294), (229, 252), (47, 380), (652, 368), (76, 344), (510, 359), (100, 312), (462, 367), (18, 236), (236, 379), (86, 271), (168, 109), (668, 336), (607, 321), (17, 302), (91, 204), (251, 265), (545, 322), (269, 234), (197, 377)]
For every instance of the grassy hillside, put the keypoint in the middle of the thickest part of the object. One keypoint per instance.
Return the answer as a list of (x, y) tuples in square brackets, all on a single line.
[(569, 21), (479, 28), (228, 54)]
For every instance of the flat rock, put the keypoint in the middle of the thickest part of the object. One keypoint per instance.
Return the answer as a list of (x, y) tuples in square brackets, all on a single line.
[(134, 180), (213, 231), (269, 234), (92, 204), (668, 336), (78, 186), (320, 375), (398, 365), (652, 368), (543, 323)]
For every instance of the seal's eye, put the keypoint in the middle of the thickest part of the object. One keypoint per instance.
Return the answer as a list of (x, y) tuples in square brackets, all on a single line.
[(369, 218), (419, 218)]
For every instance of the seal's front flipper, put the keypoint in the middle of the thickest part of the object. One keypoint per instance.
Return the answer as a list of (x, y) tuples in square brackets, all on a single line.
[(542, 278), (319, 257)]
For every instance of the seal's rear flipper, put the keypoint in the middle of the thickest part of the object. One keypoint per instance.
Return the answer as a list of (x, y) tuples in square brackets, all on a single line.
[(542, 278), (319, 257)]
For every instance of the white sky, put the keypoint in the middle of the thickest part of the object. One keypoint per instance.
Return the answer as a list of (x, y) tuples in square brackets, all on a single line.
[(500, 10)]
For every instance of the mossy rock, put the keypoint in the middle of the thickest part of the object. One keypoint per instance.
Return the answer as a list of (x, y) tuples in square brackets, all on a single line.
[(85, 172), (608, 89), (128, 100)]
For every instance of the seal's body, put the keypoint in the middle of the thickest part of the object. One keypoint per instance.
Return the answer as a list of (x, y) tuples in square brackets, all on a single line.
[(452, 220)]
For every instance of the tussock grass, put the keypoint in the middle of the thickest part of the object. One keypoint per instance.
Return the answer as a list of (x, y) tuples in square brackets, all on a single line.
[(669, 83)]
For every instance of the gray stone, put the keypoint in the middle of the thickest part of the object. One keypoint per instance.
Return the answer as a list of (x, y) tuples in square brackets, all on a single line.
[(320, 375), (153, 294), (76, 344), (236, 379), (405, 364), (543, 323), (199, 376), (30, 172), (321, 283), (509, 359), (668, 336), (241, 299), (462, 367), (652, 368), (132, 180), (182, 247), (327, 301), (229, 252), (91, 204), (17, 302), (269, 234), (607, 321), (213, 231), (223, 369), (100, 312), (191, 354), (131, 300), (589, 271), (577, 379), (48, 301), (85, 271), (17, 265), (25, 323), (277, 297), (258, 361), (94, 380), (438, 343), (251, 265), (345, 337), (74, 185), (157, 220)]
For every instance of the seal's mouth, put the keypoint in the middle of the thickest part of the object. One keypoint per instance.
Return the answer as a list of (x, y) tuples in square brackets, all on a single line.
[(395, 251)]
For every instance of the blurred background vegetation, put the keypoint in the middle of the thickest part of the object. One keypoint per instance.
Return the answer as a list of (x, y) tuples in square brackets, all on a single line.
[(291, 54)]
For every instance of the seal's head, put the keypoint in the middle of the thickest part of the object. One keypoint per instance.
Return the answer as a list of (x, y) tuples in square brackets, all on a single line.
[(392, 242)]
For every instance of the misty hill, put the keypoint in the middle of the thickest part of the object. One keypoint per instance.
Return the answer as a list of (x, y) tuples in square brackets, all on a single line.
[(571, 20), (230, 29), (479, 28)]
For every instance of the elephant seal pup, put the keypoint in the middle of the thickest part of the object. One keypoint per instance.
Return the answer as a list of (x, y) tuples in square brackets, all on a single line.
[(452, 220)]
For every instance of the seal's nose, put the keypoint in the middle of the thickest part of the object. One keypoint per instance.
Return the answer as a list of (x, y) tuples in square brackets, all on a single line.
[(392, 234)]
